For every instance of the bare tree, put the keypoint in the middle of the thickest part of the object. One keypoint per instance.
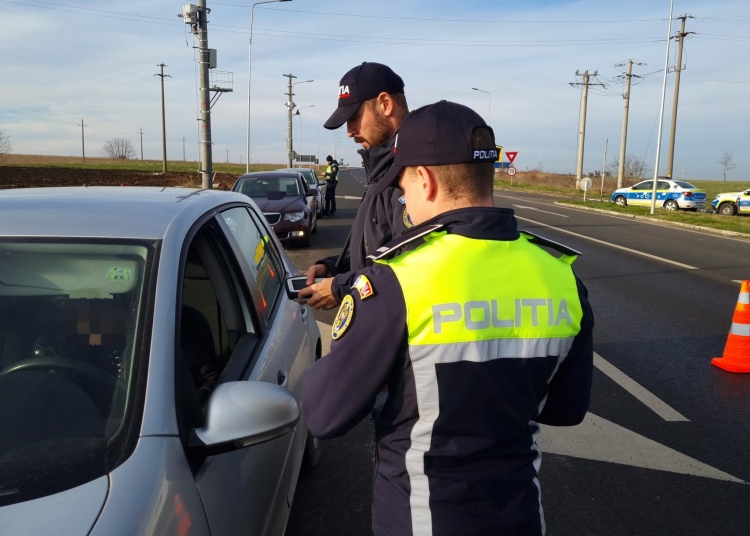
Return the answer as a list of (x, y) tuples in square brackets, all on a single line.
[(727, 163), (635, 168), (118, 149), (5, 145)]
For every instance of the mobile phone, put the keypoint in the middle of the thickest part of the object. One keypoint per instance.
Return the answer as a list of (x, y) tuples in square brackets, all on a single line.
[(295, 284)]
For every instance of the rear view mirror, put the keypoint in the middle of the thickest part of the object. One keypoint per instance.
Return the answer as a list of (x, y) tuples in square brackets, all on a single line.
[(242, 414)]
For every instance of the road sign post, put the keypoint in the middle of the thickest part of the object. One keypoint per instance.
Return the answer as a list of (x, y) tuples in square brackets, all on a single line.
[(586, 185)]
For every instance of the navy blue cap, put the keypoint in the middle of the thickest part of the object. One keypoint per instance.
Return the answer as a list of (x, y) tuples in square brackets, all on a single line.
[(436, 135), (361, 84)]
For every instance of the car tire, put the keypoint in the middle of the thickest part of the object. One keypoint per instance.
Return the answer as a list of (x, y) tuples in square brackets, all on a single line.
[(671, 204), (312, 453), (727, 209), (621, 201)]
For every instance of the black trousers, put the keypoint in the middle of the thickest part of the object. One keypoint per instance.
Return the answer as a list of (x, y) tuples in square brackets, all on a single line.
[(331, 197)]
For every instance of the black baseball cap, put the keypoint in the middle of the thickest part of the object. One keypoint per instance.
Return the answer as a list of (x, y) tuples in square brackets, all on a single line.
[(361, 84), (435, 135)]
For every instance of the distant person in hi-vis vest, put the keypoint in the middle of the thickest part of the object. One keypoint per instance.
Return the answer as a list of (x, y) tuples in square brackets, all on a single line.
[(480, 334)]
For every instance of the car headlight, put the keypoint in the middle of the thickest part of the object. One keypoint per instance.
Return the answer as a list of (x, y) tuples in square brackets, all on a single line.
[(294, 216)]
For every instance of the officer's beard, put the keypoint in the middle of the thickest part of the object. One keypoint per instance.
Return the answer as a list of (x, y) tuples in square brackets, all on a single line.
[(380, 132)]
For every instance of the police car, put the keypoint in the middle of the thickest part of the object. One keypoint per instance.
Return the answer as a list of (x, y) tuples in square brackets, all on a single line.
[(671, 195), (732, 203)]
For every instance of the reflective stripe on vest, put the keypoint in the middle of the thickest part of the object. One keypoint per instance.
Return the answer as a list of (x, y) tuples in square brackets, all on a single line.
[(478, 300)]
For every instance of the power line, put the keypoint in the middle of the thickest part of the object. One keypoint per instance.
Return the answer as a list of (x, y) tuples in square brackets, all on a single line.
[(556, 21)]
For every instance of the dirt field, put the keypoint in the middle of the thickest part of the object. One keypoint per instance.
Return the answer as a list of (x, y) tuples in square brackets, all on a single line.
[(41, 177)]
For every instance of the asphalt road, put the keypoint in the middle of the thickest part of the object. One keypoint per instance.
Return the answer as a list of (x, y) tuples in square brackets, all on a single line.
[(665, 449)]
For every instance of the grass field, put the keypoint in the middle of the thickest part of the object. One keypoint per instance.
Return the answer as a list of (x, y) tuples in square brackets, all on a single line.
[(154, 166), (536, 181), (737, 224)]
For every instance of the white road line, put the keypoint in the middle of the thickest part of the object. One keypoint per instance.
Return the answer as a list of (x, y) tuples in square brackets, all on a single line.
[(658, 406), (623, 248), (540, 210), (598, 439)]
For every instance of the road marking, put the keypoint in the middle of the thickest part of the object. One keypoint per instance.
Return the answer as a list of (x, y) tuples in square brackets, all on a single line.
[(737, 281), (658, 406), (623, 248), (540, 210), (598, 439)]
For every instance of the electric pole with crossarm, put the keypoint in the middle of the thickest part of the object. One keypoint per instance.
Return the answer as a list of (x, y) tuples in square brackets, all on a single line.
[(582, 124), (163, 120), (678, 70)]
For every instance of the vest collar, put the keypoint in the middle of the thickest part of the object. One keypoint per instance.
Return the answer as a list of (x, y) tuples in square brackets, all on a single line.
[(480, 223)]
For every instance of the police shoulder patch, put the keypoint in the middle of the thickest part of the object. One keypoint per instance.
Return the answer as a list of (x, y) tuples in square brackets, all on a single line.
[(365, 288), (343, 318)]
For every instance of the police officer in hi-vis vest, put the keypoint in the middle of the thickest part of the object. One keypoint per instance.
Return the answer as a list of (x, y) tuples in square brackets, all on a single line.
[(480, 334), (332, 180)]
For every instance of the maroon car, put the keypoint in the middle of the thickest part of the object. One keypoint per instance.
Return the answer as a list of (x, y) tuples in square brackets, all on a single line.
[(286, 200)]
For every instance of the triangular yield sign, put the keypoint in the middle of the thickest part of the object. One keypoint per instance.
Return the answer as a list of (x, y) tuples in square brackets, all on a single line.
[(511, 155)]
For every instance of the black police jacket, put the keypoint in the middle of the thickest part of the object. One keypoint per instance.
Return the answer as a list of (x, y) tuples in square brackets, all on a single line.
[(478, 474), (380, 219)]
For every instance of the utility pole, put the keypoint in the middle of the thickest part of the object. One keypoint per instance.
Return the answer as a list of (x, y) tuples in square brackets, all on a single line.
[(205, 98), (141, 133), (678, 71), (289, 110), (83, 144), (661, 109), (624, 140), (183, 149), (227, 156), (163, 120), (604, 169), (582, 125)]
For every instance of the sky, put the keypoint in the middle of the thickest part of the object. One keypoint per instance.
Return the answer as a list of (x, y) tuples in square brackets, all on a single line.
[(69, 60)]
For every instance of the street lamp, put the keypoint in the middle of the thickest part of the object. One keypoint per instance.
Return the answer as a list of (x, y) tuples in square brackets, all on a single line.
[(300, 124), (489, 117), (249, 71)]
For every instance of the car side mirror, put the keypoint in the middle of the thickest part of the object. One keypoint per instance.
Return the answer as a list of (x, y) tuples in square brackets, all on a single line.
[(313, 191), (243, 414)]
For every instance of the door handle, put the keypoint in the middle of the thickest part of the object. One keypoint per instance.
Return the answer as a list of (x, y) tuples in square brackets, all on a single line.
[(303, 312), (281, 378)]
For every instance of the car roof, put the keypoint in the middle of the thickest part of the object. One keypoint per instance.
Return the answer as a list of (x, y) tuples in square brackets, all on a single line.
[(269, 174), (102, 212)]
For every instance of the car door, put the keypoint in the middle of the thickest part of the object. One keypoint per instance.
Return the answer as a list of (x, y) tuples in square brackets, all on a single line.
[(744, 203), (663, 192), (636, 195), (243, 491), (288, 333)]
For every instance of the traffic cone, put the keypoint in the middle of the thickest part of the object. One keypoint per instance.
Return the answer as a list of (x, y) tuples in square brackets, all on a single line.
[(737, 351)]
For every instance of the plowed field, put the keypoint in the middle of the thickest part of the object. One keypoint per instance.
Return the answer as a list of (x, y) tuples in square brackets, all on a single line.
[(40, 177)]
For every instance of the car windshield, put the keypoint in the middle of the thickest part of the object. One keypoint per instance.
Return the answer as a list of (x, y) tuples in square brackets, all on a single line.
[(262, 186), (312, 180), (71, 322), (683, 184)]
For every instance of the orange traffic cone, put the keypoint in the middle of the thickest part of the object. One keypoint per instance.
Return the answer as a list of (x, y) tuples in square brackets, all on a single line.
[(737, 351)]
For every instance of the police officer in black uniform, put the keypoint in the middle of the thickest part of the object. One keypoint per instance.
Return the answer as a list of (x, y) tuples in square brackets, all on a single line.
[(371, 102), (332, 180), (479, 333)]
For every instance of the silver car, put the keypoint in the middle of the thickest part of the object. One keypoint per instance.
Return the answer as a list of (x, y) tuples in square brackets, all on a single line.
[(150, 361), (311, 177)]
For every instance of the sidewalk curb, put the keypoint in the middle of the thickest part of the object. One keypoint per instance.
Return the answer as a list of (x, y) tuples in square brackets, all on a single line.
[(656, 221)]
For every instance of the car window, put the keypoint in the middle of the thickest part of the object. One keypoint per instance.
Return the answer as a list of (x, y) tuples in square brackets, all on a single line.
[(72, 321), (260, 187), (643, 185), (683, 184), (257, 249), (662, 185), (312, 180)]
